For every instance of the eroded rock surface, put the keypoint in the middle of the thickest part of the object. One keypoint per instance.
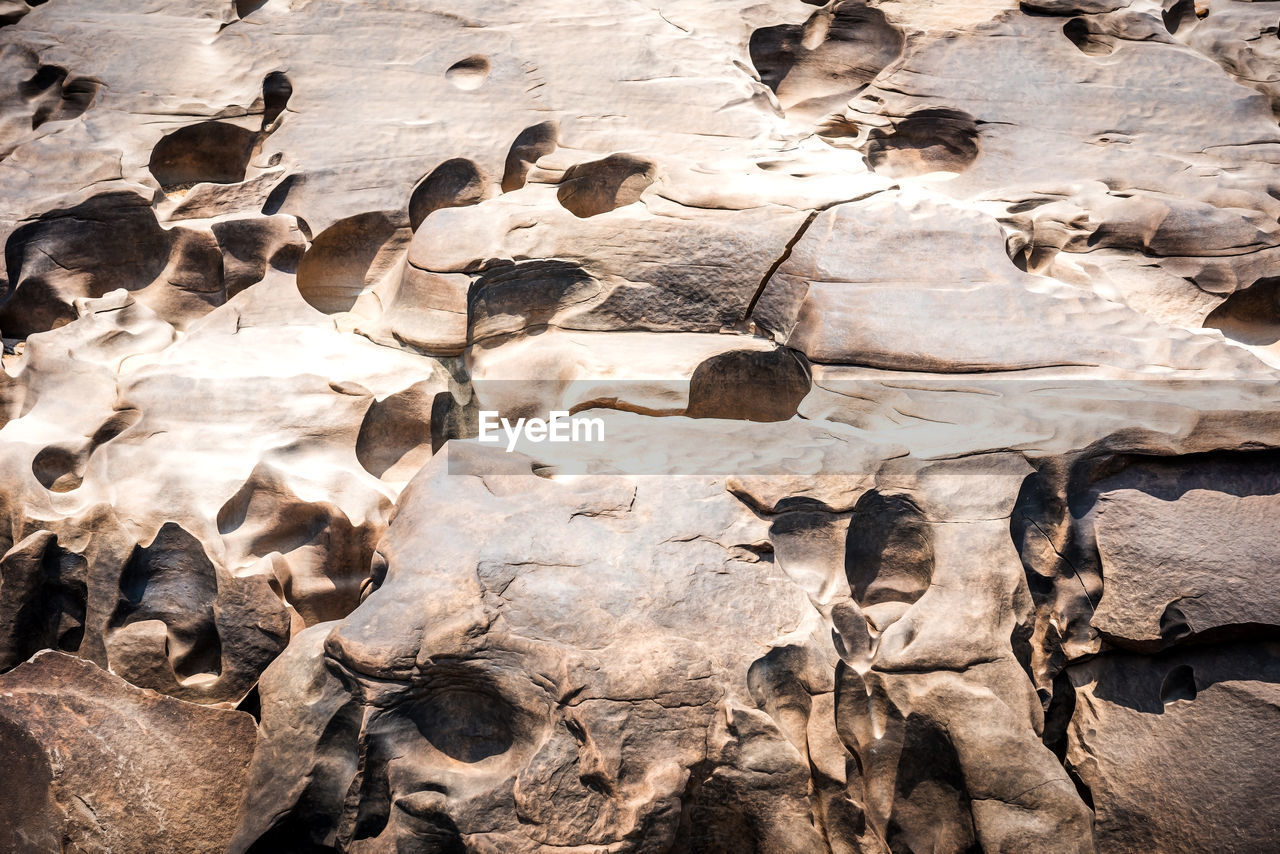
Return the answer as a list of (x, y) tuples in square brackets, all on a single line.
[(933, 349), (94, 764)]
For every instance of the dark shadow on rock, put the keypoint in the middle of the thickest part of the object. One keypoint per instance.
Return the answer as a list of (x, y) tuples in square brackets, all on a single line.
[(749, 385), (590, 189), (532, 143), (208, 152), (889, 550), (933, 140), (1250, 315), (454, 183), (107, 242)]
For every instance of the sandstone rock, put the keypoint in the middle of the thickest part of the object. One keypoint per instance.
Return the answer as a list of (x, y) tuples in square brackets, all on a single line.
[(1160, 743), (93, 764), (869, 260), (300, 700), (1204, 523), (934, 346), (195, 594), (523, 710), (536, 686)]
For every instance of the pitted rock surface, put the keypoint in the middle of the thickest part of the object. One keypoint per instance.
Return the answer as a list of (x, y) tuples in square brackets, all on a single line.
[(933, 347)]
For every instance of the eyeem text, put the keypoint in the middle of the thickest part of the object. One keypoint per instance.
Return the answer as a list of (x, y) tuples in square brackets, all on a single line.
[(559, 427)]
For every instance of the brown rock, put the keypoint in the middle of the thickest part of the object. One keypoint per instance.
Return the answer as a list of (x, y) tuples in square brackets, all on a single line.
[(1175, 752), (91, 764)]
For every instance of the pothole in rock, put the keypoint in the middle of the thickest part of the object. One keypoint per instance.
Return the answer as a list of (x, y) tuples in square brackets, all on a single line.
[(107, 242), (61, 468), (889, 555), (205, 153), (245, 8), (839, 132), (1179, 684), (276, 92), (345, 258), (453, 184), (590, 189), (468, 723), (926, 141), (396, 435), (1250, 316), (36, 94), (1181, 17), (172, 581), (217, 152), (532, 143), (815, 67), (58, 469), (57, 98), (748, 385), (1088, 41), (468, 74)]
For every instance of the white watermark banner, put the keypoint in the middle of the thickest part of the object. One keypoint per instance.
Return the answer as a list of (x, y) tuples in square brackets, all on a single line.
[(847, 423)]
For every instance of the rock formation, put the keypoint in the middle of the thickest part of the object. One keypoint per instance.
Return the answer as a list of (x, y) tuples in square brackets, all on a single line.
[(931, 350), (94, 764)]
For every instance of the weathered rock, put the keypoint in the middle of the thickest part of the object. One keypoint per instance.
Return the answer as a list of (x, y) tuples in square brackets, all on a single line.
[(254, 538), (933, 344), (292, 764), (1206, 524), (523, 709), (904, 265), (1174, 750), (90, 763)]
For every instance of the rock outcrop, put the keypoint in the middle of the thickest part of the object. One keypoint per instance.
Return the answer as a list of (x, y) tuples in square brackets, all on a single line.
[(925, 355), (94, 764)]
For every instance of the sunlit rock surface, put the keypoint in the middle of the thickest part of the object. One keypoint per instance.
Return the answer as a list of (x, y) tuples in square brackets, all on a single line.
[(932, 348)]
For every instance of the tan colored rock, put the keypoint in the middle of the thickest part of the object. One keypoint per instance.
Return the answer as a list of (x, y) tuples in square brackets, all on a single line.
[(905, 265), (934, 344), (534, 688), (1205, 524), (154, 531)]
